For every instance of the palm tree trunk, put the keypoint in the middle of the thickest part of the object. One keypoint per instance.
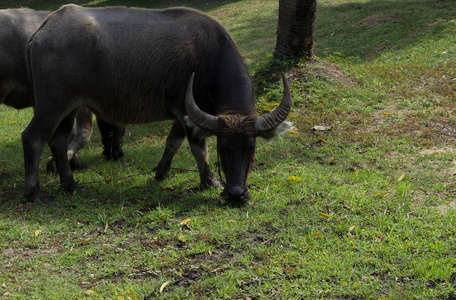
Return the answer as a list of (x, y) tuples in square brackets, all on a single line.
[(296, 29)]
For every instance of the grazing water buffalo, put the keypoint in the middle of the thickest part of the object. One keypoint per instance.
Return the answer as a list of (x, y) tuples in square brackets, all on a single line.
[(16, 27), (132, 65)]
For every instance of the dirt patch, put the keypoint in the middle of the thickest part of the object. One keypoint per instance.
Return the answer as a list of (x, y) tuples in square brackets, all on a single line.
[(438, 151), (320, 68)]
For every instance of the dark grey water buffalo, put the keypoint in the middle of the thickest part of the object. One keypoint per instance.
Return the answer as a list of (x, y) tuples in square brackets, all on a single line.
[(16, 27), (132, 65)]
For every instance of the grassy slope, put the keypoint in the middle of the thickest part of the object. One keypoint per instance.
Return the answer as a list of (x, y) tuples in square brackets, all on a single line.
[(364, 210)]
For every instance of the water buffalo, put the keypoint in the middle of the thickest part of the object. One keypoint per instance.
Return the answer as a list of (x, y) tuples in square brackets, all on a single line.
[(132, 65), (16, 27)]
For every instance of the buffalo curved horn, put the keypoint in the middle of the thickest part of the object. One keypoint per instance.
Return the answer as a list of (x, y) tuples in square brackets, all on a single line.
[(277, 116), (199, 117)]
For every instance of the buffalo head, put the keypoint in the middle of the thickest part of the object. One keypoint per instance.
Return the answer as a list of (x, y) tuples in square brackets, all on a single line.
[(236, 137)]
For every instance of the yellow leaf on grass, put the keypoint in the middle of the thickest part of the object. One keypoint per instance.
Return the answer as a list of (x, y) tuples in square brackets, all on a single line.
[(295, 178), (317, 234), (164, 285), (351, 228), (386, 114), (324, 215), (267, 152), (38, 232), (89, 292), (132, 295), (121, 298), (378, 195), (12, 122), (323, 140), (185, 221), (401, 177), (293, 132)]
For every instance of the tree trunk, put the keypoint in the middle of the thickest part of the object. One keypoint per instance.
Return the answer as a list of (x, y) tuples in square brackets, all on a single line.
[(296, 29)]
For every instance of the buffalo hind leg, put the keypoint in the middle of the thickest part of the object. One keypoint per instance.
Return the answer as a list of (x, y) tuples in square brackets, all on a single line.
[(34, 138), (173, 142), (80, 137), (59, 149), (111, 137)]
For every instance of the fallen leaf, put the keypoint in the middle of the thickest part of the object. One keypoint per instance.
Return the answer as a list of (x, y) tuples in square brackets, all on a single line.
[(295, 178), (38, 232), (317, 234), (386, 114), (164, 285), (378, 195), (321, 128), (324, 215), (216, 270), (351, 228), (6, 294), (323, 140), (185, 221), (293, 132), (132, 295), (12, 122), (401, 177), (267, 152), (89, 292)]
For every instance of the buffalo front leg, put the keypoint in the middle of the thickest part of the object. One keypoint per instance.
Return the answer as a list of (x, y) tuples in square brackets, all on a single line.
[(173, 142), (83, 133), (200, 152)]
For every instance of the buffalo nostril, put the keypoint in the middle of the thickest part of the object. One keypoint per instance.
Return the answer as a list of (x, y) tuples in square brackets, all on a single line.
[(235, 192)]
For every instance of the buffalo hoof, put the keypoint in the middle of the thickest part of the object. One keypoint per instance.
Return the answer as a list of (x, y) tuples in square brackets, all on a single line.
[(213, 183), (114, 154), (75, 164), (51, 166), (160, 172), (159, 177), (40, 198), (73, 188)]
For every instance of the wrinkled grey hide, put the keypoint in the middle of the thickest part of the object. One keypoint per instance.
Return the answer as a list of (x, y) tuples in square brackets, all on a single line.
[(16, 27)]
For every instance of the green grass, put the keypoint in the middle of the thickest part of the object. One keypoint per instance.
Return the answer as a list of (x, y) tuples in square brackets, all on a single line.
[(364, 210)]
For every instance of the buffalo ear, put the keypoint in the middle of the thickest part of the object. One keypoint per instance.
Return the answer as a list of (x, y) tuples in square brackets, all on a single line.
[(198, 132), (276, 131)]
